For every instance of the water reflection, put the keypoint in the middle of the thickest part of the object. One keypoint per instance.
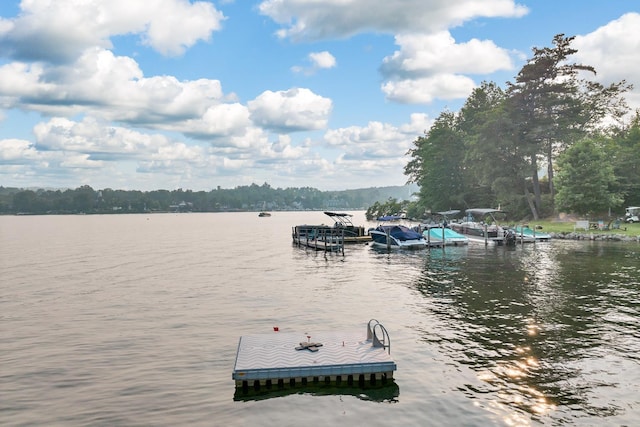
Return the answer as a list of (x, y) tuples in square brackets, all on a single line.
[(388, 392), (544, 334)]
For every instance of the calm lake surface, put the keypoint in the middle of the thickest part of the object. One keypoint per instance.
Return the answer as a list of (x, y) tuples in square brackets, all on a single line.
[(134, 320)]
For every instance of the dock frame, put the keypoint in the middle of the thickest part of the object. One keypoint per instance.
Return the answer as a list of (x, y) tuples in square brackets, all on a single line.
[(338, 358)]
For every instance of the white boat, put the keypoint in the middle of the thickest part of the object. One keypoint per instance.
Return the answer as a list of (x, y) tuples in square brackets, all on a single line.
[(397, 236), (480, 226), (442, 232), (525, 234)]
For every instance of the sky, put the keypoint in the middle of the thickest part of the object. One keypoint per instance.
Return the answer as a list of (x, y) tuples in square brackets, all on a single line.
[(329, 94)]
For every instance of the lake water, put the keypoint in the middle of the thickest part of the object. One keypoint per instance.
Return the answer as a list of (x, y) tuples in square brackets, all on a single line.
[(135, 319)]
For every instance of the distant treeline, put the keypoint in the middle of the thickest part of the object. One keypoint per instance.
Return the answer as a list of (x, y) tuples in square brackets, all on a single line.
[(254, 197)]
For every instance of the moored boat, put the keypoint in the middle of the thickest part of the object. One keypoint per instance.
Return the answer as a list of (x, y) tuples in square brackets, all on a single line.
[(480, 226), (330, 237), (525, 234), (352, 233), (397, 236), (440, 231), (445, 234)]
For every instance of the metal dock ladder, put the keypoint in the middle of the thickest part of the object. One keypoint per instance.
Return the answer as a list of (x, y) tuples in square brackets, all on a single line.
[(383, 339)]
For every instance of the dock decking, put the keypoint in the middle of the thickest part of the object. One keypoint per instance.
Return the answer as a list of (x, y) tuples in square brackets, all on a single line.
[(338, 357), (320, 238)]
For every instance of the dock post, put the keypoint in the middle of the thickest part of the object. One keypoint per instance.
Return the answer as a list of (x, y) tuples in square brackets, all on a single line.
[(486, 235), (388, 240), (522, 234)]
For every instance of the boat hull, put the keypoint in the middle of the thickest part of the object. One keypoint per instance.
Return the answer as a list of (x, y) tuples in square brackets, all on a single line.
[(397, 237), (527, 235), (451, 238), (478, 233)]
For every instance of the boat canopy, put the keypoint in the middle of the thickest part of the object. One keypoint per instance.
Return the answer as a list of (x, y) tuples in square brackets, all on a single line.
[(341, 218), (449, 213), (483, 211)]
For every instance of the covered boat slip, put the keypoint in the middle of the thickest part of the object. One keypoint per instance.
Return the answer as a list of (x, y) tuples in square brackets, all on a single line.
[(288, 359)]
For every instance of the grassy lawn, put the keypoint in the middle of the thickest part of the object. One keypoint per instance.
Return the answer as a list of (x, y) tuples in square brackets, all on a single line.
[(554, 226)]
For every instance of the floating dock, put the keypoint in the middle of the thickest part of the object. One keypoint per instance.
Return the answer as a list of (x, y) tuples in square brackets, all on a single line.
[(285, 359)]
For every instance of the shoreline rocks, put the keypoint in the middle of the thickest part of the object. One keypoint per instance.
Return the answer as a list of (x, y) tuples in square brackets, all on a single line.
[(595, 236)]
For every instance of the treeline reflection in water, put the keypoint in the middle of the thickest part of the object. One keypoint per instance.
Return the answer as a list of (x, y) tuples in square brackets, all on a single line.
[(551, 332)]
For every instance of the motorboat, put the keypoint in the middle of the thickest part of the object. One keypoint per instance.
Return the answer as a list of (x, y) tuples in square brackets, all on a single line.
[(440, 231), (352, 233), (397, 236), (526, 234), (343, 231), (264, 212), (480, 226), (445, 234)]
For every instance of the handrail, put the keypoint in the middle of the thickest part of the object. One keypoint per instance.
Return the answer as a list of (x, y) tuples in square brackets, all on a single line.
[(383, 341)]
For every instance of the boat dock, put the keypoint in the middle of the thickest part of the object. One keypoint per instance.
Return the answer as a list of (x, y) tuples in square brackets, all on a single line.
[(328, 238), (284, 359), (319, 237)]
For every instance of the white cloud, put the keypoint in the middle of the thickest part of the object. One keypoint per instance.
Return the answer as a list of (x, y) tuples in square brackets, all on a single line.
[(291, 110), (430, 54), (339, 18), (107, 86), (432, 66), (59, 31), (218, 121), (97, 139), (614, 51), (376, 141), (426, 90), (318, 60), (16, 151), (94, 152), (322, 59)]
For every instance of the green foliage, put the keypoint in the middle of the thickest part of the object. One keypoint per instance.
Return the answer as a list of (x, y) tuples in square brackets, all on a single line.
[(434, 169), (623, 151), (492, 152), (585, 180), (391, 207)]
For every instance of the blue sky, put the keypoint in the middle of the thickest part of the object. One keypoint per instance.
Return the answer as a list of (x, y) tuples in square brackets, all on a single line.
[(167, 94)]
